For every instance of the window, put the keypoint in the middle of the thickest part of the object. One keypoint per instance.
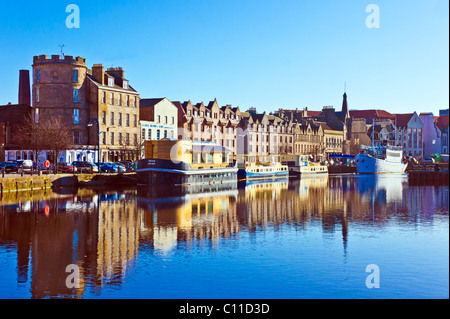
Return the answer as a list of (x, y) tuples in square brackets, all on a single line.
[(104, 138), (135, 120), (135, 139), (36, 115), (103, 117), (111, 98), (104, 97), (120, 119), (135, 101), (128, 138), (165, 119), (157, 135), (110, 81), (112, 138), (125, 85), (76, 137), (165, 133), (74, 75), (38, 76), (189, 112), (120, 138), (143, 134), (159, 119), (112, 118), (128, 100), (76, 116), (37, 95), (120, 99), (128, 120), (149, 134), (173, 120)]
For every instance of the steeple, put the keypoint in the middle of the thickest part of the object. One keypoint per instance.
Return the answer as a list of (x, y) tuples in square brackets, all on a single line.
[(344, 102)]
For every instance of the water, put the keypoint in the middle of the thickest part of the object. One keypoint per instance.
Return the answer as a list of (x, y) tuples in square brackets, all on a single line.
[(311, 238)]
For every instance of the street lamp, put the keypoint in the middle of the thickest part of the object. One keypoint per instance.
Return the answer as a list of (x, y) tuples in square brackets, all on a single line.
[(91, 123)]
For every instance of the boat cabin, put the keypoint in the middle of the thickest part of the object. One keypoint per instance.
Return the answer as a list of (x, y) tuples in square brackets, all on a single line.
[(197, 154)]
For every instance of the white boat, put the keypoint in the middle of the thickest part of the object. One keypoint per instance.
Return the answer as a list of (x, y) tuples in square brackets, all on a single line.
[(302, 166), (379, 160)]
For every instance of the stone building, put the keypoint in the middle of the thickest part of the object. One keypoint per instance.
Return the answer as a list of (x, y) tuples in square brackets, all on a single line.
[(209, 122), (308, 140), (96, 106)]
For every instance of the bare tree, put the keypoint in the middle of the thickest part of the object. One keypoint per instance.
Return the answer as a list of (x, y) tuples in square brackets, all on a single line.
[(30, 136), (57, 137)]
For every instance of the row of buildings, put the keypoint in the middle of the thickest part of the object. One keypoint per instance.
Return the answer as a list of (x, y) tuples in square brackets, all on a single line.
[(106, 116)]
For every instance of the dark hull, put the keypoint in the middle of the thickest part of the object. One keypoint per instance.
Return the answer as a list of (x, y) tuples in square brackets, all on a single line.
[(168, 173)]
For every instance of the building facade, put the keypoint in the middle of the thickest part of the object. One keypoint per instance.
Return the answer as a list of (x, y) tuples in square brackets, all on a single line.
[(409, 134), (98, 107)]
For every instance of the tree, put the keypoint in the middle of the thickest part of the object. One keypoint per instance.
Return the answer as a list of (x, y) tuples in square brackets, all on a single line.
[(56, 137), (30, 136)]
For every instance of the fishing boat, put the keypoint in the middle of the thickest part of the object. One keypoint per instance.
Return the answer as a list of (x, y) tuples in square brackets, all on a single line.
[(380, 159), (261, 168), (170, 162), (301, 165)]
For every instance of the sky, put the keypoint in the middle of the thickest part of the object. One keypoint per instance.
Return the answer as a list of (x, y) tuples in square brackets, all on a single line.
[(247, 53)]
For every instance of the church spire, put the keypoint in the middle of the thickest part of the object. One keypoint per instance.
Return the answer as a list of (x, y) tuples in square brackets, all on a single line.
[(344, 101)]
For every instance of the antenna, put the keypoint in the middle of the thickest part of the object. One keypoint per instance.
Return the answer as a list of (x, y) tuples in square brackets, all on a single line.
[(61, 46)]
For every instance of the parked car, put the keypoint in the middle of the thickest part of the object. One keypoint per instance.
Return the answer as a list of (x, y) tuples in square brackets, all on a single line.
[(108, 168), (84, 167), (121, 167), (427, 160), (18, 166), (6, 163), (64, 167)]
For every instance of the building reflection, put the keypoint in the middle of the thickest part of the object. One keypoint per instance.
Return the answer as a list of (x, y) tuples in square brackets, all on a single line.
[(103, 231), (97, 232)]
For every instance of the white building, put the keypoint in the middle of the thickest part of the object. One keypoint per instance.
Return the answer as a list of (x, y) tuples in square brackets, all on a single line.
[(158, 119)]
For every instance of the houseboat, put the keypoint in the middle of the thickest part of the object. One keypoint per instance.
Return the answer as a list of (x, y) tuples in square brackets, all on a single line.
[(301, 165), (261, 168), (170, 162)]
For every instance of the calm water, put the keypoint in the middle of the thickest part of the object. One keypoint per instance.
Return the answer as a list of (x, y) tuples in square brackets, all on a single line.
[(311, 238)]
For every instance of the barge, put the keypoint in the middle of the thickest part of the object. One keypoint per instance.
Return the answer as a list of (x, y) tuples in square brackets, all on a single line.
[(170, 162)]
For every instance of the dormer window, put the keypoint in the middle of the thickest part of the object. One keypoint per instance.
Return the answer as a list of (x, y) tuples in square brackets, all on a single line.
[(125, 84), (110, 81)]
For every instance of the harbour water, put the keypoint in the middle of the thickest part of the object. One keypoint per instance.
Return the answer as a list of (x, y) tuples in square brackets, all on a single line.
[(310, 238)]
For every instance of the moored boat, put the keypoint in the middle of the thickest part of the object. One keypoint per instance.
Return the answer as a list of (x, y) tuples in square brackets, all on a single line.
[(380, 160), (300, 165), (262, 168), (180, 162)]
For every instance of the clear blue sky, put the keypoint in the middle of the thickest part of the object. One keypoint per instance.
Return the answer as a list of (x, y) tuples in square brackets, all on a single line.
[(266, 54)]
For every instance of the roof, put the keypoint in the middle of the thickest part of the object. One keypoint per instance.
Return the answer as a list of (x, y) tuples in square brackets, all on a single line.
[(115, 87), (402, 120), (150, 102), (442, 122), (371, 114)]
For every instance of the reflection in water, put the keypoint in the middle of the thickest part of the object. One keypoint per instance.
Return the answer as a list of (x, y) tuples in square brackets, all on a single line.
[(103, 231)]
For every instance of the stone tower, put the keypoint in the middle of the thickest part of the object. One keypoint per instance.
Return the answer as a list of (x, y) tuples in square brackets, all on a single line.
[(59, 91)]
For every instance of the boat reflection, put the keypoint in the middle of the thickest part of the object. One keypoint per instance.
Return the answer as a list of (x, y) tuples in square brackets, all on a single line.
[(104, 231)]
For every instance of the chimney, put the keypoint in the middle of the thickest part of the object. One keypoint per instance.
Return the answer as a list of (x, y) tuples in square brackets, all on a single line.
[(116, 72), (24, 87), (98, 72)]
